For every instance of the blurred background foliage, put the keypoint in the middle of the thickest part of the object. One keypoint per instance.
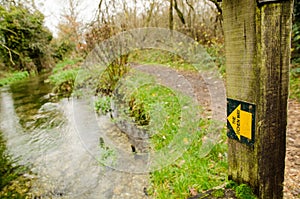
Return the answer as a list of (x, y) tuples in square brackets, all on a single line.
[(26, 44), (24, 40), (296, 33)]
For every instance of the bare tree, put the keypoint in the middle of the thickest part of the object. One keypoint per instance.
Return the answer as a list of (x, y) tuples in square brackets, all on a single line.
[(150, 13), (71, 27)]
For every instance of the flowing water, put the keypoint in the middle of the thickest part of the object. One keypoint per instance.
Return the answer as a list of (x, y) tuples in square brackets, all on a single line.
[(59, 141)]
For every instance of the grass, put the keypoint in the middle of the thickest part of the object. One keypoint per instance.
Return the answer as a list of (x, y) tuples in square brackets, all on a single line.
[(111, 75), (161, 57), (157, 106), (217, 54), (64, 75), (156, 56), (145, 102), (102, 105), (66, 64), (191, 171), (12, 77)]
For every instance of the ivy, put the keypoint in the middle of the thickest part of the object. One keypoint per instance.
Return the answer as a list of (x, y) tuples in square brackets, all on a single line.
[(24, 41)]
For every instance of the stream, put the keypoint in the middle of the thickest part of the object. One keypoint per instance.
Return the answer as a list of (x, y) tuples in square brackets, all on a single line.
[(59, 141)]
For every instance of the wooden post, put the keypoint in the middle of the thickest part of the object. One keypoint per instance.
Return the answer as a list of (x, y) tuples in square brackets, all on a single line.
[(257, 42)]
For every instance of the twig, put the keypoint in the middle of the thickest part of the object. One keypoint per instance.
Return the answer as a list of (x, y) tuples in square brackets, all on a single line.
[(9, 52)]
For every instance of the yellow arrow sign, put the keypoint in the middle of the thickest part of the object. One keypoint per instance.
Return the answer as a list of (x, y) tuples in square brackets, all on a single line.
[(241, 122)]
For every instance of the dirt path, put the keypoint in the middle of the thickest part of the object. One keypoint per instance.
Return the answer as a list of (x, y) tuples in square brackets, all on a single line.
[(292, 161)]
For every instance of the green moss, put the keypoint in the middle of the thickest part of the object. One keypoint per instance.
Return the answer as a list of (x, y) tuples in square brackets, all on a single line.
[(218, 193), (243, 191)]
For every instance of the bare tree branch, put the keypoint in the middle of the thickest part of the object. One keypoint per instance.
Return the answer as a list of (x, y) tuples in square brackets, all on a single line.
[(217, 6), (190, 5), (99, 10), (100, 4), (8, 30), (34, 5), (179, 13), (9, 52)]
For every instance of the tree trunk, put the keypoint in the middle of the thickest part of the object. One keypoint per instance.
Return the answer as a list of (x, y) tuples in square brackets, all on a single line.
[(171, 19)]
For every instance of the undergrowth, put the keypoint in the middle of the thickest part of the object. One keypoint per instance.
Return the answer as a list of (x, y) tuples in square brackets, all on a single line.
[(295, 83), (242, 191), (64, 75), (12, 77)]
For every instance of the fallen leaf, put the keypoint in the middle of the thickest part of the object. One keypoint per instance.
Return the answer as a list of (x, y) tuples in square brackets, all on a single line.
[(193, 191)]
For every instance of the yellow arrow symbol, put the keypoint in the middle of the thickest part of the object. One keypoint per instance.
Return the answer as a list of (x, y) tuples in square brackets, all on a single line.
[(241, 122)]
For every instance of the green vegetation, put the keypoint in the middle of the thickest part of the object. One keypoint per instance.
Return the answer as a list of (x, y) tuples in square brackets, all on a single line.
[(296, 33), (219, 193), (103, 105), (27, 45), (64, 75), (108, 156), (191, 171), (12, 77), (295, 83), (243, 191), (112, 74), (62, 49), (295, 68), (217, 53), (160, 107), (156, 56), (13, 183), (25, 42)]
